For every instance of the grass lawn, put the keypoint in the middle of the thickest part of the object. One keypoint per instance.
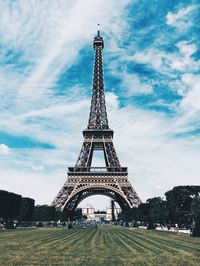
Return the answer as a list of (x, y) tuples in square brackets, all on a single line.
[(104, 246)]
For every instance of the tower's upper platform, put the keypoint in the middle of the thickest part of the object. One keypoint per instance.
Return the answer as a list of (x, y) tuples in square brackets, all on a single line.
[(98, 40)]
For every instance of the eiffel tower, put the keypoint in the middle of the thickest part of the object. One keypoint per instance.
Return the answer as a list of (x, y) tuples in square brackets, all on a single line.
[(83, 180)]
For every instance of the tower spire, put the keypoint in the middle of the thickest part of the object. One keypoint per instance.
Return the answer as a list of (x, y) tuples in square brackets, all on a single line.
[(98, 30), (98, 116)]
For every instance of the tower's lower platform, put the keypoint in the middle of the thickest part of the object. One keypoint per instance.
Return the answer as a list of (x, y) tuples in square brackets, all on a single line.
[(83, 182)]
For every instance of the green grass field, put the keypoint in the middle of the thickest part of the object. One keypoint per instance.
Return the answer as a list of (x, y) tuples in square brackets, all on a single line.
[(104, 246)]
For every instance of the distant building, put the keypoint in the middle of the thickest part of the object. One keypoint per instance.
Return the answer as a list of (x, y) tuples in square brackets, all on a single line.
[(88, 211), (93, 215)]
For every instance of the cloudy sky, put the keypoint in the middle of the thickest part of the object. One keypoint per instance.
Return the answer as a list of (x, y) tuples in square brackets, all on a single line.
[(152, 82)]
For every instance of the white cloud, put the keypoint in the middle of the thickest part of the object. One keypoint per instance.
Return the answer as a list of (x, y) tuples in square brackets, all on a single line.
[(191, 101), (132, 85), (4, 149), (178, 19), (151, 56), (165, 62), (112, 100), (184, 61), (186, 49), (157, 59), (57, 109), (38, 167)]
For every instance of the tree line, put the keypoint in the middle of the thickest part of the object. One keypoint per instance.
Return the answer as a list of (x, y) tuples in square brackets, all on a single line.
[(13, 206), (181, 206), (23, 209)]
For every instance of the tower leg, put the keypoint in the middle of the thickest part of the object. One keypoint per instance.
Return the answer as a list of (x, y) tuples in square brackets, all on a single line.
[(113, 210)]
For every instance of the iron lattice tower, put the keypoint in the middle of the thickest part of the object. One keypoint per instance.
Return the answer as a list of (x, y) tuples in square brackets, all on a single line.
[(83, 180)]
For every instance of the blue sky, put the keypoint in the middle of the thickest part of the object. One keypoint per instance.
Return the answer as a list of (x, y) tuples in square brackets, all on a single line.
[(151, 71)]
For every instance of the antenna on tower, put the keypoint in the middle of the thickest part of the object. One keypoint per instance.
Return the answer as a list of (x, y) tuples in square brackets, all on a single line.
[(98, 30)]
